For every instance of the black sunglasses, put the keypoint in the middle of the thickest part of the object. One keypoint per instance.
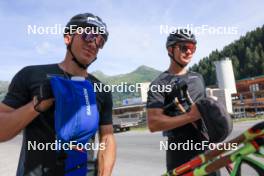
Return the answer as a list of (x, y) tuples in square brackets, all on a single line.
[(90, 37)]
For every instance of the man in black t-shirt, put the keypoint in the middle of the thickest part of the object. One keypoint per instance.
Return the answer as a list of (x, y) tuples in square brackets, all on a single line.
[(185, 127), (21, 110)]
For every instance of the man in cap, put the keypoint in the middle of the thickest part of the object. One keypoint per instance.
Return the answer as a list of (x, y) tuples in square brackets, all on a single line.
[(183, 127), (84, 35)]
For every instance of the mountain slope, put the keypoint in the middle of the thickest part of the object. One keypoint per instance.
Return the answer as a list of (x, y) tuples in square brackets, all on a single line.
[(246, 53), (141, 74)]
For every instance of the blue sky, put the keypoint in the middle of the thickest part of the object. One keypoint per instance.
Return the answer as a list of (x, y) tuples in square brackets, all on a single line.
[(135, 38)]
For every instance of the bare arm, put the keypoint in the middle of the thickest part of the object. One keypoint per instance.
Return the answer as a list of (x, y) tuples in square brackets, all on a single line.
[(157, 121), (106, 157), (12, 121)]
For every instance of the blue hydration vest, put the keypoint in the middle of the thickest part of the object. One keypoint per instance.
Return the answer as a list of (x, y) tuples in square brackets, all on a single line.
[(76, 119)]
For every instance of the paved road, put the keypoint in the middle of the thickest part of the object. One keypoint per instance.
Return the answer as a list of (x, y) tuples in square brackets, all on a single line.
[(138, 153)]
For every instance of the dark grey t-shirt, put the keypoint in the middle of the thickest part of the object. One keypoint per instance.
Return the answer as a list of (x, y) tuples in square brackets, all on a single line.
[(21, 91), (159, 99)]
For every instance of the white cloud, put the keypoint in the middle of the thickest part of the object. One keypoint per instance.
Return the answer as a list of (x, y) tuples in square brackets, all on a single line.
[(44, 48), (134, 38)]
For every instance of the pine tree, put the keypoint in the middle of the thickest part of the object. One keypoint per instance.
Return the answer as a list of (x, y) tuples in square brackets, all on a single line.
[(247, 55)]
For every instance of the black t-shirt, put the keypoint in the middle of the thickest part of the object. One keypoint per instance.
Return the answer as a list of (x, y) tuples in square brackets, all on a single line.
[(21, 91), (159, 99)]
